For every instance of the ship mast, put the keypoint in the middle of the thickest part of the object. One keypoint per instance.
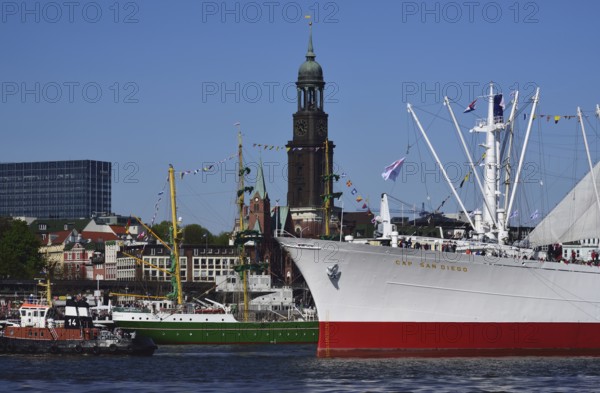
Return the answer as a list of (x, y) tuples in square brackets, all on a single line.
[(491, 127), (513, 192), (241, 190), (327, 190), (494, 223), (465, 149), (174, 236), (47, 285)]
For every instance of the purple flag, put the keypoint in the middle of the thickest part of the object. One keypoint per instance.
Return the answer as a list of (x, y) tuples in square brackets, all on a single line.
[(391, 171)]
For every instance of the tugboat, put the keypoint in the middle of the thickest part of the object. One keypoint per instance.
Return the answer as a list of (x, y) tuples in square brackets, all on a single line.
[(39, 332)]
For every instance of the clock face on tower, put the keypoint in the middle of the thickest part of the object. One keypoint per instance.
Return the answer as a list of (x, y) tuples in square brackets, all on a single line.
[(322, 127), (300, 127)]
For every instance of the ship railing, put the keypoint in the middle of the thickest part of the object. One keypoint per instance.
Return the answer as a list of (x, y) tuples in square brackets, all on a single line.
[(284, 233), (482, 123), (35, 301)]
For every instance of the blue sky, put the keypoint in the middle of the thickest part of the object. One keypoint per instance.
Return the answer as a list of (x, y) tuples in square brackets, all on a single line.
[(145, 84)]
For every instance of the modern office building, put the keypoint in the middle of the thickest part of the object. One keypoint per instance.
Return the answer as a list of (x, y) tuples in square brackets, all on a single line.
[(55, 189)]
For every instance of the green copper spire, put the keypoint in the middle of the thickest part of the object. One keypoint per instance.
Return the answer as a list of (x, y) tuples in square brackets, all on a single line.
[(310, 71), (260, 182), (257, 227), (310, 54)]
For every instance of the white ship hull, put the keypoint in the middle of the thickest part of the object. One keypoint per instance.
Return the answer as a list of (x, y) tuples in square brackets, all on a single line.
[(415, 300)]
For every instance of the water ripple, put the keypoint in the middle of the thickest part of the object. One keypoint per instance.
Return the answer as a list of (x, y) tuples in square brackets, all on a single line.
[(292, 368)]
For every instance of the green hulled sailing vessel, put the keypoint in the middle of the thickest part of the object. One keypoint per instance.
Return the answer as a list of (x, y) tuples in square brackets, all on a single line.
[(175, 322)]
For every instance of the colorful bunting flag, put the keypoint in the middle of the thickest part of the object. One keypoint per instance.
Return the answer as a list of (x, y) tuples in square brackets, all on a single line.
[(556, 118), (264, 146), (464, 180)]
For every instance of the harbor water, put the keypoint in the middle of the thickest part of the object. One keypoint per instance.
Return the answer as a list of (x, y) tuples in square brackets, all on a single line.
[(291, 368)]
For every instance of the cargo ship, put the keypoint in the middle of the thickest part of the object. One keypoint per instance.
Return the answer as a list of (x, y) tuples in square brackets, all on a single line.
[(466, 297)]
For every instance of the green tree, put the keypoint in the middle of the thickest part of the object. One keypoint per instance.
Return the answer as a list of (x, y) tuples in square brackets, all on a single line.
[(162, 230), (19, 250), (197, 234), (222, 239)]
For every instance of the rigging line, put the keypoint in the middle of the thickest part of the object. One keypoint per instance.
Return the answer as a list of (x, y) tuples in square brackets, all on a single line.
[(156, 208), (541, 163), (160, 197), (278, 189), (345, 194), (575, 157), (198, 219), (591, 126), (526, 105), (406, 127), (205, 203), (400, 201), (553, 285), (421, 160), (206, 193), (523, 197), (435, 116), (519, 111), (418, 136)]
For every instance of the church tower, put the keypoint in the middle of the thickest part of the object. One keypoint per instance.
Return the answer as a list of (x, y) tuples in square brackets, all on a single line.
[(259, 207), (307, 150)]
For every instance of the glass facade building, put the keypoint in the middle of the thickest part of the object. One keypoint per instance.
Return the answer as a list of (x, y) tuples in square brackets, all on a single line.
[(55, 189)]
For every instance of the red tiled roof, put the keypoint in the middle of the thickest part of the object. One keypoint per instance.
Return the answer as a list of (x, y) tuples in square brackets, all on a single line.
[(99, 237), (119, 230), (56, 237)]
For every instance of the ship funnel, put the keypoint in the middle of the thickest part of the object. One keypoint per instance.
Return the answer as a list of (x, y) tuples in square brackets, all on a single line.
[(384, 211)]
